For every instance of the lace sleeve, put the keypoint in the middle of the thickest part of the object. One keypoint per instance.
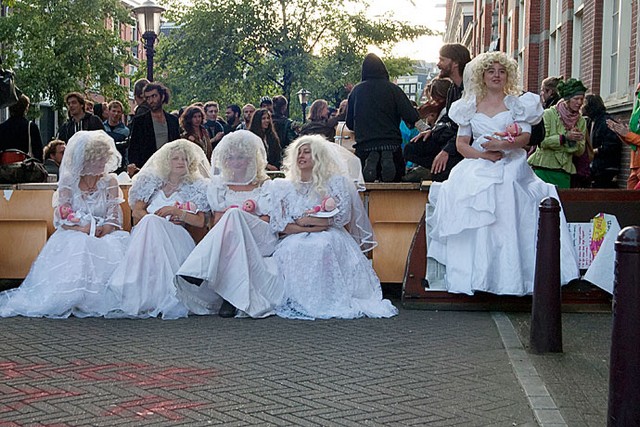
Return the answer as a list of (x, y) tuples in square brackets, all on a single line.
[(279, 212), (338, 190), (216, 194), (264, 200), (197, 193), (144, 186), (114, 199)]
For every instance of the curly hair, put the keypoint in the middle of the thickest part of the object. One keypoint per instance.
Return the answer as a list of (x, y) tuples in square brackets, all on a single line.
[(246, 144), (482, 63), (191, 154), (187, 116), (324, 165)]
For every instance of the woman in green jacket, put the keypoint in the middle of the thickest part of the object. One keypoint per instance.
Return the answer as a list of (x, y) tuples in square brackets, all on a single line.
[(565, 131)]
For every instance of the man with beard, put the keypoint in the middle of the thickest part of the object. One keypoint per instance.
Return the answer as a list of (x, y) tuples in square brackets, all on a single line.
[(79, 119), (153, 129), (247, 113), (283, 125), (452, 60), (232, 115)]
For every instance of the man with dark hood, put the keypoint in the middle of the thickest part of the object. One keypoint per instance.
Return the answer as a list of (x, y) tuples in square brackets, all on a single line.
[(374, 111)]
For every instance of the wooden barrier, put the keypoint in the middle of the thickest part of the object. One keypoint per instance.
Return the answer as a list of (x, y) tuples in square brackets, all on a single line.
[(579, 205)]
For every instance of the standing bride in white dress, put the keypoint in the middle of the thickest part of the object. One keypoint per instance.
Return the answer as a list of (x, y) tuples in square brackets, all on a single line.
[(484, 225), (231, 268), (70, 275), (168, 193)]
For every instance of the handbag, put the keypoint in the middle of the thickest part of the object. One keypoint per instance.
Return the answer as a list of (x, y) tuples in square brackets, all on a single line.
[(9, 93), (17, 167)]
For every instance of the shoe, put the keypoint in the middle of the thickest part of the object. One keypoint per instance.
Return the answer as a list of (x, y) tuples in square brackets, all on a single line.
[(370, 170), (388, 167), (417, 174), (226, 310), (193, 280)]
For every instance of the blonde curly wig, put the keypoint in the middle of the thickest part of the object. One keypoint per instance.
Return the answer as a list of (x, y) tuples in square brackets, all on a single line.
[(474, 74), (324, 164)]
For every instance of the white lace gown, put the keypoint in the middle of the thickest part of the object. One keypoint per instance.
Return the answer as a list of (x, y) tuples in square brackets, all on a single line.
[(234, 258), (70, 275), (142, 285), (325, 274), (484, 225)]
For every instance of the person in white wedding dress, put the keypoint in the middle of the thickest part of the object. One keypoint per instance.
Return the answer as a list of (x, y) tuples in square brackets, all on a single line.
[(167, 194), (483, 226), (324, 270), (70, 275), (231, 268)]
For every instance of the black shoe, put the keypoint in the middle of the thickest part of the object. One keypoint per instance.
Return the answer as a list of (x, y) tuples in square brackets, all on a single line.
[(193, 280), (370, 170), (417, 174), (388, 167), (227, 310)]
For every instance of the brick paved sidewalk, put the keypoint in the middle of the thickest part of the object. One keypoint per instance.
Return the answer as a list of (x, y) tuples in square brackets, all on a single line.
[(420, 368)]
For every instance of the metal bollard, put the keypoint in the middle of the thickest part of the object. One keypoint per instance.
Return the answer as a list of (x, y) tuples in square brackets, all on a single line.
[(624, 369), (546, 320)]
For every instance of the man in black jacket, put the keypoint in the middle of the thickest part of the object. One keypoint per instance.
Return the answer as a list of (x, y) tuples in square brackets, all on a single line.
[(153, 129), (453, 58), (374, 111), (78, 118)]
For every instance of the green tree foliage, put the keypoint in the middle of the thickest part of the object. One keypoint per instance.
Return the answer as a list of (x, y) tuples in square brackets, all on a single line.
[(237, 50), (58, 46)]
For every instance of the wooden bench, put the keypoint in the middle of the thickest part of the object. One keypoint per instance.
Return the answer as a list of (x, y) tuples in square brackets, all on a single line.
[(580, 205)]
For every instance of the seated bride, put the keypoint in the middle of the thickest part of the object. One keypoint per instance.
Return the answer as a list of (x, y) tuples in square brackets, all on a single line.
[(482, 221), (167, 194)]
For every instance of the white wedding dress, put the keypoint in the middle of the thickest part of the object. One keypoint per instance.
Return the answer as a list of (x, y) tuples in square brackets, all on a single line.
[(482, 222), (234, 259), (142, 285), (325, 274), (70, 275)]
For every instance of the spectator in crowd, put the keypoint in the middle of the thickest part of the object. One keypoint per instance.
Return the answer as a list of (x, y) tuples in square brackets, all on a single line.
[(101, 110), (262, 125), (565, 131), (88, 106), (452, 62), (141, 106), (169, 193), (607, 147), (283, 125), (319, 122), (631, 135), (322, 266), (153, 129), (18, 132), (267, 102), (231, 267), (53, 153), (374, 111), (492, 190), (247, 113), (422, 151), (193, 130), (212, 124), (79, 119), (70, 275), (549, 94), (232, 114), (117, 130)]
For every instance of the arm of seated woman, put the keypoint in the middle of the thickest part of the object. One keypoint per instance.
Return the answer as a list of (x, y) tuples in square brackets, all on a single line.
[(103, 230), (468, 152), (179, 216), (310, 221), (293, 228), (499, 144), (81, 228), (139, 210)]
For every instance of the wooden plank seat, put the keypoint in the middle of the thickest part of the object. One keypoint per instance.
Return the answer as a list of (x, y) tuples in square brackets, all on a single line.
[(580, 205)]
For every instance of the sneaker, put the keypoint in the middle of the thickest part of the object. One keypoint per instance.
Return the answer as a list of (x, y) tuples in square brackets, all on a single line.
[(226, 310), (370, 170), (388, 167), (417, 174)]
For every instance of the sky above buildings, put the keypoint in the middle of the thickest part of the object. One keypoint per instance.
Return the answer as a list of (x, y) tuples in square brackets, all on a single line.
[(429, 13)]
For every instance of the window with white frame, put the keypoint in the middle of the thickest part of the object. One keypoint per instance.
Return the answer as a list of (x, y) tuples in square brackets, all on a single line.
[(615, 62), (576, 50), (555, 37)]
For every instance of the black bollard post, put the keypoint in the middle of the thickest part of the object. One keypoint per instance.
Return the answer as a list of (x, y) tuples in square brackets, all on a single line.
[(624, 366), (546, 320)]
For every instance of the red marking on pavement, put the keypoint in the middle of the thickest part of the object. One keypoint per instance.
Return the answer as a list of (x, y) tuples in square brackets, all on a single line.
[(152, 405), (10, 370), (32, 395)]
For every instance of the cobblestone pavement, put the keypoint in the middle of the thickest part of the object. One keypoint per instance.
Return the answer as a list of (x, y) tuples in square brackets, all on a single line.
[(419, 368), (577, 378)]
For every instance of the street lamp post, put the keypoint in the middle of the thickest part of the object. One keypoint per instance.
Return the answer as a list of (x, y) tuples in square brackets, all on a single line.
[(303, 97), (148, 17)]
